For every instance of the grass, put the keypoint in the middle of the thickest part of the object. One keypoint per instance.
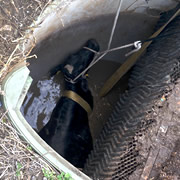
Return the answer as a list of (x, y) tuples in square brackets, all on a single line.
[(51, 175), (17, 158)]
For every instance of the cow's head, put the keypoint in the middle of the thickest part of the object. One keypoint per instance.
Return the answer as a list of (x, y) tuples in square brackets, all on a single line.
[(79, 61)]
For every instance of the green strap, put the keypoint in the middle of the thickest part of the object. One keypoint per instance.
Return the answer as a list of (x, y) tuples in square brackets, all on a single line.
[(75, 97)]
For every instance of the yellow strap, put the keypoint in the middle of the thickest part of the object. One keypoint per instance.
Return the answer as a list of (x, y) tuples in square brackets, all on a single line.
[(130, 61), (75, 97)]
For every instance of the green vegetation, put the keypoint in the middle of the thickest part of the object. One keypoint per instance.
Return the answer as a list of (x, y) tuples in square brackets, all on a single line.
[(19, 166), (29, 148), (51, 175)]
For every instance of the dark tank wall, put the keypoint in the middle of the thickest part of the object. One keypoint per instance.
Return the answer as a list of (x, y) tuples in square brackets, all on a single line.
[(130, 27)]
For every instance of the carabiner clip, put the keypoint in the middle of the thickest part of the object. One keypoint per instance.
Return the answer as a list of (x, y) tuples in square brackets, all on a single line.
[(137, 45)]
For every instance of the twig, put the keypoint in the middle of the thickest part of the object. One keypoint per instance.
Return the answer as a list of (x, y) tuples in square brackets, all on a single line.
[(10, 57), (4, 172), (4, 114)]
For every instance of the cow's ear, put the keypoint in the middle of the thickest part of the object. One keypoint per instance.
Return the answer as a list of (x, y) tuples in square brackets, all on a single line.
[(69, 68)]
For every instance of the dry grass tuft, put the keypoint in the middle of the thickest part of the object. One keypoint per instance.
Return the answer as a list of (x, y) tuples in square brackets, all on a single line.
[(16, 16), (17, 159)]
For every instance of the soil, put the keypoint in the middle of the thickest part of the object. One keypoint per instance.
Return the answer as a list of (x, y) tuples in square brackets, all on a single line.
[(170, 168), (160, 145), (17, 159), (16, 16)]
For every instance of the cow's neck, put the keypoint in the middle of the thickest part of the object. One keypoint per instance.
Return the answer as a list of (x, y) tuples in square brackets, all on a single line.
[(81, 88)]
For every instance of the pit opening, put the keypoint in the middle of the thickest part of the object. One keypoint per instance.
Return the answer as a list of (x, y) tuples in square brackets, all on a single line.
[(45, 90)]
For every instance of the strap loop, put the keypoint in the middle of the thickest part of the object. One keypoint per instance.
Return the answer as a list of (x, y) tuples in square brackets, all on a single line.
[(78, 99)]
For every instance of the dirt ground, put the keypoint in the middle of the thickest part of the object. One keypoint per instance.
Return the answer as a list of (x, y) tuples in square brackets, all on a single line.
[(16, 16), (170, 169), (160, 145), (17, 159)]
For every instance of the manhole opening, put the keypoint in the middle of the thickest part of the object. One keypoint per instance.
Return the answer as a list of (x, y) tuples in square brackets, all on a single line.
[(45, 91)]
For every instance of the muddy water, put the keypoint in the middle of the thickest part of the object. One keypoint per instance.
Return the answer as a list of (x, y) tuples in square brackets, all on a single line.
[(40, 101), (43, 95)]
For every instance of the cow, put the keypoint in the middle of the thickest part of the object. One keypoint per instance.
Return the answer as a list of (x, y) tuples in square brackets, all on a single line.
[(68, 130)]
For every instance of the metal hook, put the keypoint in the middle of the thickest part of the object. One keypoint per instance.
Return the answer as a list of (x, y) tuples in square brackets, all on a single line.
[(137, 45)]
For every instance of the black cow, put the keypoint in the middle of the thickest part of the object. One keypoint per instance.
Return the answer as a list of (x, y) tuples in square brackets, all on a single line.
[(68, 130)]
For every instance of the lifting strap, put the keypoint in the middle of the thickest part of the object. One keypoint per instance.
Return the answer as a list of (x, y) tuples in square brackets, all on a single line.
[(123, 69), (78, 99)]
